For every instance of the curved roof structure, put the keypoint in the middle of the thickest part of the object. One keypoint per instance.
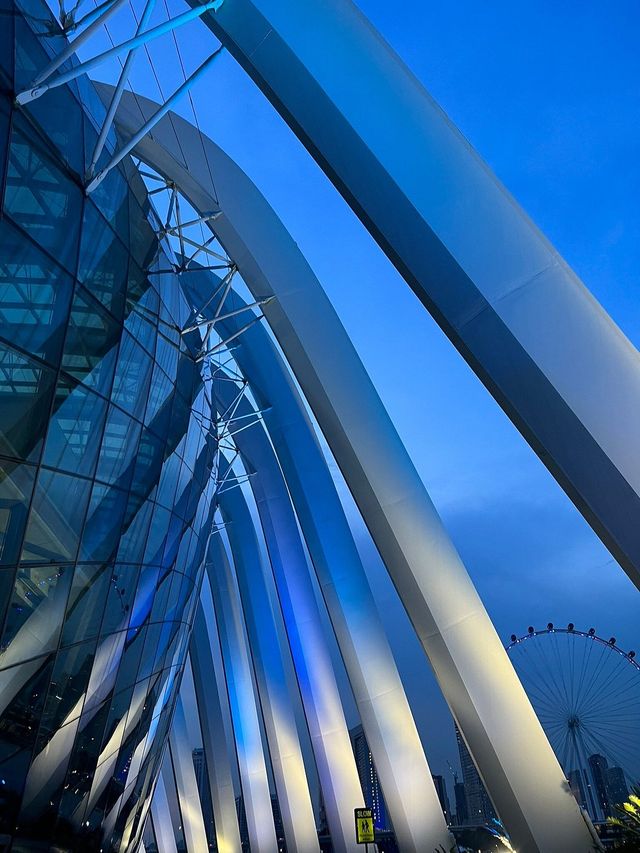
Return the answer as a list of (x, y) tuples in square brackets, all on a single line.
[(174, 544)]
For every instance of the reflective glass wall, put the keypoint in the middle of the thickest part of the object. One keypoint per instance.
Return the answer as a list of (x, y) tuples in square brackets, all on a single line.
[(105, 495)]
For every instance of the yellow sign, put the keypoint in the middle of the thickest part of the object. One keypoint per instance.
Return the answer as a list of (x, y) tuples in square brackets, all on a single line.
[(364, 826)]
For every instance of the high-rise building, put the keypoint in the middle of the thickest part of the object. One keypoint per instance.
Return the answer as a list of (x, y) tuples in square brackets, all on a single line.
[(371, 790), (462, 809), (479, 806), (599, 767), (617, 786), (441, 789)]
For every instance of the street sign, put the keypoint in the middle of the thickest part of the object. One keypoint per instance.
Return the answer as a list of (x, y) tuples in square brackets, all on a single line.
[(364, 826)]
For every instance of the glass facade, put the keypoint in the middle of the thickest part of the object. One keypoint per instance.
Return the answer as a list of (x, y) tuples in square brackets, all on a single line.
[(105, 488)]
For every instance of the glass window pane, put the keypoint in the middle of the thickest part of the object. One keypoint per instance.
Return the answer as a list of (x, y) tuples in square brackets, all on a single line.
[(133, 374), (35, 613), (86, 603), (58, 116), (18, 728), (56, 517), (75, 428), (90, 348), (104, 523), (34, 297), (41, 199), (103, 261), (26, 389), (16, 486), (119, 445)]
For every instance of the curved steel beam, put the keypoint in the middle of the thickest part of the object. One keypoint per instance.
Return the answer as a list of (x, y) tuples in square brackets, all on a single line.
[(243, 701), (269, 656), (212, 703), (386, 717), (551, 356), (488, 702)]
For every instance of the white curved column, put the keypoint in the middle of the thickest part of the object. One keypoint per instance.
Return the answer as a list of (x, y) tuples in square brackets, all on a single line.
[(551, 356), (180, 750), (210, 695), (391, 732), (161, 817), (489, 704), (274, 688), (243, 701)]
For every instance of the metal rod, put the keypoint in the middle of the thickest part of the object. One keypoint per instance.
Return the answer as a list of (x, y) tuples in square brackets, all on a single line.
[(117, 95), (155, 118), (71, 48), (37, 90)]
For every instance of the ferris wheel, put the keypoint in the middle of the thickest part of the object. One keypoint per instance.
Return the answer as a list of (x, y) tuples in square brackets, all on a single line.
[(585, 691)]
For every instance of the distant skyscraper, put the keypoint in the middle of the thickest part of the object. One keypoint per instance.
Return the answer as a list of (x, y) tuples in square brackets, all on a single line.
[(616, 786), (200, 767), (479, 806), (578, 788), (599, 767), (462, 810), (441, 789), (368, 775)]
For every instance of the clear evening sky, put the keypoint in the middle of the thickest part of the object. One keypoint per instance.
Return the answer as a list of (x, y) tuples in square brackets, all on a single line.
[(549, 94)]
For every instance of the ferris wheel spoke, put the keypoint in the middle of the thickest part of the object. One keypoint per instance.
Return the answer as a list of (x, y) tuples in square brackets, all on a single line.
[(561, 678), (549, 682), (592, 687)]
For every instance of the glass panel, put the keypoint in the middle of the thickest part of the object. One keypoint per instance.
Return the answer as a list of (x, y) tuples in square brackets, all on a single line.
[(26, 389), (58, 115), (104, 522), (16, 485), (136, 529), (119, 445), (86, 603), (75, 428), (133, 373), (41, 199), (149, 459), (137, 285), (34, 296), (122, 589), (7, 19), (160, 392), (103, 261), (143, 239), (112, 195), (56, 517), (69, 681), (35, 612), (18, 727), (90, 347)]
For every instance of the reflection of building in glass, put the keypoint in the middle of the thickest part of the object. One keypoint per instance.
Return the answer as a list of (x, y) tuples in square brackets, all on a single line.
[(202, 781), (479, 806), (368, 775)]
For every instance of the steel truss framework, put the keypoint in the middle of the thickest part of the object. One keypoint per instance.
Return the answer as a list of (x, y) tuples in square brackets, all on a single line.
[(271, 534)]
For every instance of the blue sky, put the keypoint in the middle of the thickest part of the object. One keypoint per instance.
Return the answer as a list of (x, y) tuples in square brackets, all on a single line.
[(549, 95)]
